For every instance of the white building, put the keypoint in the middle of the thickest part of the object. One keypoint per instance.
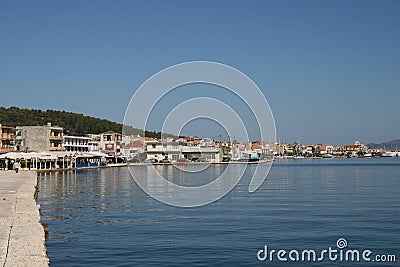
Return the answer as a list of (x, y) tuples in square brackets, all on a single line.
[(93, 145), (76, 143), (159, 151), (173, 151), (193, 153)]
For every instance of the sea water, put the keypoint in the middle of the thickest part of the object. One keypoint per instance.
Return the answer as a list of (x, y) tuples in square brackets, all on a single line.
[(100, 217)]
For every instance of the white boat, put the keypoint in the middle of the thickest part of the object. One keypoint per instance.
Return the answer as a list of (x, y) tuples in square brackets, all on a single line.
[(391, 154), (248, 156), (327, 156)]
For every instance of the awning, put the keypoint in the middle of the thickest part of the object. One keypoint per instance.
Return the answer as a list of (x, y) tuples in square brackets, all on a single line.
[(30, 155)]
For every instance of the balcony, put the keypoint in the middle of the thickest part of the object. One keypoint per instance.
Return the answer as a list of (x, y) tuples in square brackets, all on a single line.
[(7, 136), (56, 137), (56, 149), (76, 145)]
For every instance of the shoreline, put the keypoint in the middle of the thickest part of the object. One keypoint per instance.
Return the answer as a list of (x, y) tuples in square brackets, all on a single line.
[(25, 246), (188, 163), (149, 164), (22, 236)]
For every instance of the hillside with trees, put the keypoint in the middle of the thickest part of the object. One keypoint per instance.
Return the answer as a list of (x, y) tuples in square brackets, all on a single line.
[(73, 123)]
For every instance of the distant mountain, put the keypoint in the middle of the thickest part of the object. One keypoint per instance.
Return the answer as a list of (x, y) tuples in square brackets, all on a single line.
[(73, 123), (390, 145)]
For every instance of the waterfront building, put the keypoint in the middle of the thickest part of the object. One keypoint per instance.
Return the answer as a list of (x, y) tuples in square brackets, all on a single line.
[(288, 149), (308, 150), (181, 141), (53, 160), (76, 143), (94, 137), (225, 148), (6, 138), (191, 138), (93, 145), (257, 147), (93, 142), (207, 153), (278, 149), (134, 147), (351, 150), (268, 148), (167, 139), (158, 150), (40, 138), (173, 151), (324, 149), (236, 150), (110, 142)]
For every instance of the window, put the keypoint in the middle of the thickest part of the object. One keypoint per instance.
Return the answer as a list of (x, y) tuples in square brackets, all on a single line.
[(175, 146)]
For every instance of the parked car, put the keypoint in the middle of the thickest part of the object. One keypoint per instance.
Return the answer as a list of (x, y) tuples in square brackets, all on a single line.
[(133, 160), (226, 159), (150, 161), (165, 161), (183, 160), (202, 160)]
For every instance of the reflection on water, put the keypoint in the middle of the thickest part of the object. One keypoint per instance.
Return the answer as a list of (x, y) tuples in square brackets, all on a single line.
[(185, 175), (101, 217)]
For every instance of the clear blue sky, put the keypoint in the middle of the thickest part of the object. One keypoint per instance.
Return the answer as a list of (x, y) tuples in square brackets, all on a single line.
[(329, 69)]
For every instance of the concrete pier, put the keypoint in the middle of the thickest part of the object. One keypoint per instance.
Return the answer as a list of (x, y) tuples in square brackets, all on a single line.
[(22, 241)]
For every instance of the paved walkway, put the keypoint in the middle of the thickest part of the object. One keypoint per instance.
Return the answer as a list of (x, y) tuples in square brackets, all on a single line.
[(22, 240)]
